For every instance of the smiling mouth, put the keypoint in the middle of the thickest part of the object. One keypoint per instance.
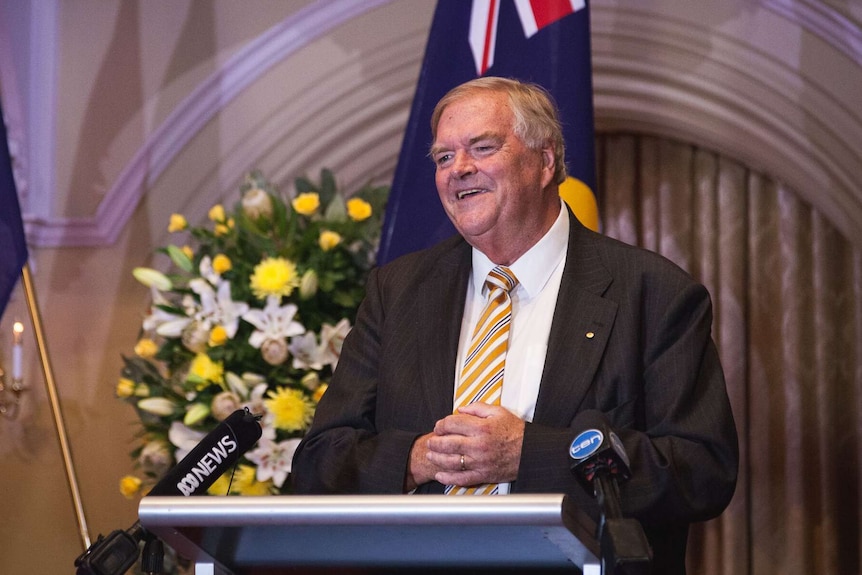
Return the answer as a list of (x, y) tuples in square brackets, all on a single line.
[(467, 193)]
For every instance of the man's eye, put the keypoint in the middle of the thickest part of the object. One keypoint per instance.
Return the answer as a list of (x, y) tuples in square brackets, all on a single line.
[(441, 159)]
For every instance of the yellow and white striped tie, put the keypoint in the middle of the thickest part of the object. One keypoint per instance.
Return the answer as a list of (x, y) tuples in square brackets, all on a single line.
[(482, 375)]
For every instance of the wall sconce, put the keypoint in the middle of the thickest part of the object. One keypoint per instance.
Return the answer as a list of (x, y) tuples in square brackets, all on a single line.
[(10, 396)]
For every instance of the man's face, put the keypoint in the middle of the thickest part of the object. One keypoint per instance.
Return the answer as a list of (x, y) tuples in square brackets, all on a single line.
[(493, 188)]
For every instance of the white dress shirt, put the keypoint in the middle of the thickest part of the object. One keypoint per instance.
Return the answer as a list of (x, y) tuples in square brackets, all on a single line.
[(539, 272)]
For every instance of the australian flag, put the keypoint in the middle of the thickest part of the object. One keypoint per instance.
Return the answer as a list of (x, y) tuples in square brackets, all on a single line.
[(546, 42), (13, 247)]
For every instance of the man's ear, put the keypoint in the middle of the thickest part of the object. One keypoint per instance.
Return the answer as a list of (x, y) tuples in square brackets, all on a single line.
[(549, 165)]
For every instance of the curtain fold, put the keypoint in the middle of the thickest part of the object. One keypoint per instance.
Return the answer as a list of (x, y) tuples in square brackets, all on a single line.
[(786, 289)]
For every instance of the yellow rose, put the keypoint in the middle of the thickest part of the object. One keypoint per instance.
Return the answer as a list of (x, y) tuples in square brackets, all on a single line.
[(178, 223), (221, 264), (328, 240), (306, 204), (146, 348), (222, 229), (129, 486), (358, 209), (218, 336), (216, 213), (318, 393), (125, 387)]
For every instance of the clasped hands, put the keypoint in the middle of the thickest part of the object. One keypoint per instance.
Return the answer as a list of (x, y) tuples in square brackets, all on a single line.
[(479, 443)]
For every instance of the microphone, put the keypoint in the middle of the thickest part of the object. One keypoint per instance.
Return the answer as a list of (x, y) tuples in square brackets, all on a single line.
[(600, 465), (212, 456), (209, 460)]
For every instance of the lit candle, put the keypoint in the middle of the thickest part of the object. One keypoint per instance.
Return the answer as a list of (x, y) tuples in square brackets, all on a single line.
[(17, 350)]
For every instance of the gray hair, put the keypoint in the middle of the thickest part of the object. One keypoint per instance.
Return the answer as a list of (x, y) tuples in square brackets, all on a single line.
[(537, 121)]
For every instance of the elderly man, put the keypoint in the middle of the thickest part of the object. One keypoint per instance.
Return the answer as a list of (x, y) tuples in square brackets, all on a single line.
[(453, 383)]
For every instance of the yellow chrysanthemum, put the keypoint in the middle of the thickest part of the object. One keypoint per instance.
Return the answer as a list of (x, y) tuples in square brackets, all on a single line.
[(221, 263), (358, 209), (178, 223), (291, 409), (125, 387), (306, 204), (218, 336), (216, 213), (204, 371), (274, 276), (328, 240), (130, 486), (190, 253), (146, 348), (220, 485), (245, 482)]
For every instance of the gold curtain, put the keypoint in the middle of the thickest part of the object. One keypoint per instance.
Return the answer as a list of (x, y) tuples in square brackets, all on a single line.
[(787, 294)]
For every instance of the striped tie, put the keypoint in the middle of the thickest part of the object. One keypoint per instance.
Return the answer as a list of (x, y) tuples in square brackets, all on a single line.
[(482, 375)]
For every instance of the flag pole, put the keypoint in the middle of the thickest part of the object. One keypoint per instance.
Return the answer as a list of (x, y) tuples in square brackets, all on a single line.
[(69, 465)]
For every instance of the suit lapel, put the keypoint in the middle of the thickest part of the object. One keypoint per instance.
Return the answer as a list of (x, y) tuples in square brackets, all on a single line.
[(582, 323), (440, 301)]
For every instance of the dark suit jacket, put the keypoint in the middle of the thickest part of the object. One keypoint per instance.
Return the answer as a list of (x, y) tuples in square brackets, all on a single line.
[(650, 368)]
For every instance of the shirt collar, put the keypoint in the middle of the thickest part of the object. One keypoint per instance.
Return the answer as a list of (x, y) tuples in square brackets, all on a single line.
[(534, 268)]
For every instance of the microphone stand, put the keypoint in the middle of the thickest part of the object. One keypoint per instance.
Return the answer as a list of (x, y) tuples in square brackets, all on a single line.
[(116, 553), (624, 546)]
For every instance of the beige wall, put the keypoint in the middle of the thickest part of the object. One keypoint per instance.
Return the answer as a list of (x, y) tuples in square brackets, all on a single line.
[(126, 74)]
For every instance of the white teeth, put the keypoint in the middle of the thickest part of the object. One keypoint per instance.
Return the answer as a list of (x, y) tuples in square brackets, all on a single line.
[(465, 193)]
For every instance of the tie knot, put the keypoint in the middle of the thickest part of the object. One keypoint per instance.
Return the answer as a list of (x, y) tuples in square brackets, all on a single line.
[(501, 277)]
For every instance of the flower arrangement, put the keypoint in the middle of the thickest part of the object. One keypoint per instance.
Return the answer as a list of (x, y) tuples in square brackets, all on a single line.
[(253, 316)]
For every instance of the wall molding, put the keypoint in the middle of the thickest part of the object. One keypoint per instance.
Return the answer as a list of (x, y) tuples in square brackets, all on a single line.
[(653, 72), (162, 146)]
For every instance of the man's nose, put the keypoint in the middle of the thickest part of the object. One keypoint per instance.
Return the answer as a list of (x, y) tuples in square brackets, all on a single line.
[(462, 165)]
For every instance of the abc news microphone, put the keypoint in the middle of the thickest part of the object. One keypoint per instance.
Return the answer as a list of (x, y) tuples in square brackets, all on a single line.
[(600, 465), (211, 458)]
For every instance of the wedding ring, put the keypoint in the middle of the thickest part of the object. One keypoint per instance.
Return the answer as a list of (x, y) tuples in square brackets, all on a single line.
[(463, 467)]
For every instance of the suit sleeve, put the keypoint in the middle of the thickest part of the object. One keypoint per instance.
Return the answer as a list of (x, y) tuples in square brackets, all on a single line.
[(344, 452), (661, 388)]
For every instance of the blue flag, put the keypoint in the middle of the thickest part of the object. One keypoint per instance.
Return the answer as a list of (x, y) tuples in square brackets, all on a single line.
[(546, 42), (13, 247)]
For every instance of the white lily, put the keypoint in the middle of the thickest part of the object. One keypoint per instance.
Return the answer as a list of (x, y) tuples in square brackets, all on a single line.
[(184, 438), (218, 307), (306, 353), (332, 340), (274, 460), (273, 322)]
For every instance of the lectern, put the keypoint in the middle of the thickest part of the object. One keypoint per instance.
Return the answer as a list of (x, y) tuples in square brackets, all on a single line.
[(374, 534)]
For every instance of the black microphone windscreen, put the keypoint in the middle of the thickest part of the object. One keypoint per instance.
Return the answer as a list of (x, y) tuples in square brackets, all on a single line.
[(597, 448), (212, 456)]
